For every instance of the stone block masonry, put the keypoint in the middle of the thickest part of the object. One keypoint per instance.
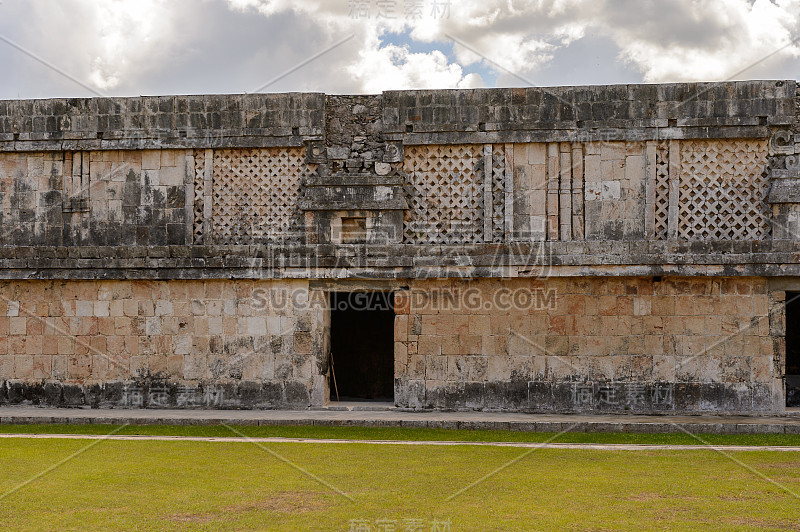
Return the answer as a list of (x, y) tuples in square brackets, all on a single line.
[(587, 345), (561, 345), (627, 248), (100, 198), (213, 343)]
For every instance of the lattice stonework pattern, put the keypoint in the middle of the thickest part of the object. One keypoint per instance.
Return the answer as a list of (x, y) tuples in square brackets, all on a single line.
[(662, 191), (723, 190), (498, 192), (446, 194), (256, 193), (199, 196)]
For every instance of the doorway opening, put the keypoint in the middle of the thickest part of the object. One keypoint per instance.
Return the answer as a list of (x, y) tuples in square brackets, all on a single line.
[(362, 346), (792, 349)]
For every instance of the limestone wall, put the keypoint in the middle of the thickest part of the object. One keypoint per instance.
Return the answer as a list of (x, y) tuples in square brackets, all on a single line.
[(664, 179), (458, 194), (98, 198), (163, 343), (147, 122), (561, 191), (544, 345), (578, 345), (640, 226)]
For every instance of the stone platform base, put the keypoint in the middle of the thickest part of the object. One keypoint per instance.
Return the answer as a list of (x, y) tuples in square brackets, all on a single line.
[(787, 424)]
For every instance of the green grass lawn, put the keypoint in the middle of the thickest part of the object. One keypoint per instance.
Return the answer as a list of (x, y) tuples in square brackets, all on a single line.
[(182, 485)]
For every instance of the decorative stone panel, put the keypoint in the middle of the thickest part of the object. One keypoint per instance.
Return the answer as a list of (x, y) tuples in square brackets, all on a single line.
[(446, 194), (723, 190), (784, 192), (458, 194), (662, 185), (498, 192), (256, 194), (199, 206), (334, 204)]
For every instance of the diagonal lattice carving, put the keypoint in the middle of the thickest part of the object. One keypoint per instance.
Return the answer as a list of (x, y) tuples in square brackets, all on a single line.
[(723, 190), (445, 194), (256, 193), (199, 196), (662, 191), (498, 192)]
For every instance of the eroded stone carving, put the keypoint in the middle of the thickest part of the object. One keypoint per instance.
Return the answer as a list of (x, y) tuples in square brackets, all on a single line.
[(315, 152), (393, 152), (781, 142)]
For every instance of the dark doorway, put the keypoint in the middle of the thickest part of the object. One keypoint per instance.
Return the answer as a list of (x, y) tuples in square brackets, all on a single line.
[(362, 345), (792, 348)]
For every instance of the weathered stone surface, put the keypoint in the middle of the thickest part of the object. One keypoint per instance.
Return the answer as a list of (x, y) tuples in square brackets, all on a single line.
[(564, 114), (214, 344), (588, 345), (593, 249), (161, 122)]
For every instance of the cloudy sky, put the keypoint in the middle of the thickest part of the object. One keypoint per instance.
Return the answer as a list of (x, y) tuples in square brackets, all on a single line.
[(67, 48)]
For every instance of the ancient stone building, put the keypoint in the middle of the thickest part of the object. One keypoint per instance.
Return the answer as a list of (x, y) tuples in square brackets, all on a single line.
[(628, 248)]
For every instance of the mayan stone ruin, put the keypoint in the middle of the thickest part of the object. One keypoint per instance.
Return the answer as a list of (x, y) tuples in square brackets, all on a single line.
[(623, 248)]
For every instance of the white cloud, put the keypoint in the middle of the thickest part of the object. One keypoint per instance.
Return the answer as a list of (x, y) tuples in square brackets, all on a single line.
[(377, 66), (137, 46), (127, 34), (511, 51), (724, 37), (394, 67), (101, 42), (518, 35)]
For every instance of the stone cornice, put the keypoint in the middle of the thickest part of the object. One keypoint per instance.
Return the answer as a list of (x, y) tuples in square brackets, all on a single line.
[(354, 261), (536, 114)]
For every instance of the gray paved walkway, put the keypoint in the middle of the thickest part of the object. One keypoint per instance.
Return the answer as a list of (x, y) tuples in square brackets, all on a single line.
[(789, 424)]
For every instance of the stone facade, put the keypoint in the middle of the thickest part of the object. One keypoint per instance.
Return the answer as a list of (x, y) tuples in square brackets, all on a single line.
[(588, 344), (569, 249), (214, 343), (108, 198)]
